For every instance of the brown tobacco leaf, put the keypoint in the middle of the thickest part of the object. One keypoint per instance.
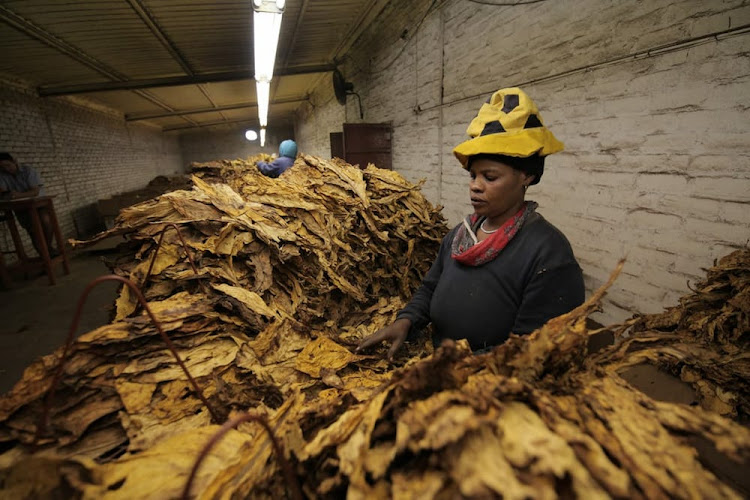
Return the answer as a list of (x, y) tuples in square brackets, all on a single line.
[(588, 433), (250, 299), (276, 272), (256, 463), (636, 427), (135, 396), (484, 447), (704, 340), (417, 486), (323, 353), (292, 273), (162, 471), (43, 477)]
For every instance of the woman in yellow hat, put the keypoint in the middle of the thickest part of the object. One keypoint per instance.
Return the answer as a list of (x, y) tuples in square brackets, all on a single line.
[(504, 269)]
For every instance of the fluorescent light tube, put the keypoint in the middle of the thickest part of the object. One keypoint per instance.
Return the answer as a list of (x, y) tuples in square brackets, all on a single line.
[(266, 27), (262, 137), (262, 92)]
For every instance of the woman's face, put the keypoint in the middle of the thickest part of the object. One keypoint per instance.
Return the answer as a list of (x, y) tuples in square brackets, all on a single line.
[(496, 189), (9, 166)]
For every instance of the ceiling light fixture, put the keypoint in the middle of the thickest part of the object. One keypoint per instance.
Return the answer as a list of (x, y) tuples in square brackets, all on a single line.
[(266, 27), (262, 91), (251, 135), (262, 137)]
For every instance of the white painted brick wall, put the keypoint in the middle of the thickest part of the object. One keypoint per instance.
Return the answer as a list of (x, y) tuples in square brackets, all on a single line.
[(320, 116), (227, 142), (657, 160), (81, 154)]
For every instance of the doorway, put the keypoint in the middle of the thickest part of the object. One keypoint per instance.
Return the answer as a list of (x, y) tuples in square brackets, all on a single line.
[(363, 143)]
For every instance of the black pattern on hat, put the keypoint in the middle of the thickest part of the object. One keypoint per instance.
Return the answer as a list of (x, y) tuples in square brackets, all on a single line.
[(510, 102), (533, 122), (492, 128)]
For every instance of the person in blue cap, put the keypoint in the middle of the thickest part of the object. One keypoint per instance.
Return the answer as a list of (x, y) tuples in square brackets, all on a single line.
[(287, 154)]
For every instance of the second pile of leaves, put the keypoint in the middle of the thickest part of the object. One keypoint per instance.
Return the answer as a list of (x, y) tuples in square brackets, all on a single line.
[(290, 274)]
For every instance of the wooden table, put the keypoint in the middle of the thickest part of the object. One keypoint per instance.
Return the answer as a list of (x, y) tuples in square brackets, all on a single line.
[(33, 206)]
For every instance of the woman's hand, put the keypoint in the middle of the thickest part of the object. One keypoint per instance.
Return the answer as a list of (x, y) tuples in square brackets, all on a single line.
[(395, 333)]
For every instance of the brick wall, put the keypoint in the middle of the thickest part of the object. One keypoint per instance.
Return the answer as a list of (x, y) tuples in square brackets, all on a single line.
[(228, 142), (650, 98), (318, 118), (82, 154)]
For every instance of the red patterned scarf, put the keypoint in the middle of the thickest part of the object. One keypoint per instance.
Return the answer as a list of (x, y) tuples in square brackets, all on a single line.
[(465, 248)]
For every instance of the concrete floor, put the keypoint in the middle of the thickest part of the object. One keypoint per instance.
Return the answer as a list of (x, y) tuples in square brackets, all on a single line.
[(37, 316)]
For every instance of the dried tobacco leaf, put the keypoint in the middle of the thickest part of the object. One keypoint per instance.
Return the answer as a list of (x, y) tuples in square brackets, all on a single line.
[(705, 340), (292, 273)]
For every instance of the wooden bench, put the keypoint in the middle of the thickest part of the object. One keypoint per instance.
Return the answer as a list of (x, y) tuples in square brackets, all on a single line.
[(26, 264)]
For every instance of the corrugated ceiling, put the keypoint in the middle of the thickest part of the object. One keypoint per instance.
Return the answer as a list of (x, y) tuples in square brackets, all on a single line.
[(175, 63)]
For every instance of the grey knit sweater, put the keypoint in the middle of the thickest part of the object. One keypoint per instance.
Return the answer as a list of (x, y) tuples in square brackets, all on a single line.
[(534, 278)]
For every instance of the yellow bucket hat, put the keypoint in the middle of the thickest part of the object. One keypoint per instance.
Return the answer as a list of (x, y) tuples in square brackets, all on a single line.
[(508, 124)]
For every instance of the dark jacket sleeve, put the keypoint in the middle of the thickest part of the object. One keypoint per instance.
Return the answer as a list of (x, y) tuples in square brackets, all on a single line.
[(418, 309), (33, 179), (549, 293), (276, 167)]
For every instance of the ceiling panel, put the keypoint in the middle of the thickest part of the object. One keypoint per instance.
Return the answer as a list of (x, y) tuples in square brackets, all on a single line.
[(110, 31), (59, 44), (226, 93), (281, 112), (168, 122), (130, 101), (38, 63), (236, 114), (206, 117), (185, 96), (295, 85), (316, 40), (213, 36)]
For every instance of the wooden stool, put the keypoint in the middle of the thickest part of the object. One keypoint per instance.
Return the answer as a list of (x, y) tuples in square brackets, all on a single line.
[(5, 278), (4, 274), (33, 206)]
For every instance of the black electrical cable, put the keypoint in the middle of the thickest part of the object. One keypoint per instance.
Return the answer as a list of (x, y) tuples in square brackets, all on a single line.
[(406, 43), (505, 4), (319, 105), (414, 31)]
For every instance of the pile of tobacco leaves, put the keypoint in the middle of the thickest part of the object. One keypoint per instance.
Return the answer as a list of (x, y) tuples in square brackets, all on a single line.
[(705, 340), (290, 274)]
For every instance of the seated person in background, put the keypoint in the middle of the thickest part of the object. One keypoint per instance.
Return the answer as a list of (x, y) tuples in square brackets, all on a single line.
[(21, 181), (504, 269), (287, 154)]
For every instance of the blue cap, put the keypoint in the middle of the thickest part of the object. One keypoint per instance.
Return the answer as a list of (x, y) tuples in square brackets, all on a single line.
[(288, 148)]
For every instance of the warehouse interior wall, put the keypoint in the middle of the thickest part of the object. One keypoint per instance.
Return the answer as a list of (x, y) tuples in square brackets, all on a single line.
[(318, 118), (228, 142), (82, 152), (650, 99)]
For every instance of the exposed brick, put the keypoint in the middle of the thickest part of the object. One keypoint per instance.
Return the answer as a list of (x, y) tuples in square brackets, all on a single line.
[(81, 154), (228, 142), (657, 159), (727, 188)]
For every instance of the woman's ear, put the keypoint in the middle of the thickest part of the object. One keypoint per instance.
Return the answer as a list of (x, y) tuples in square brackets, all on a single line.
[(527, 179)]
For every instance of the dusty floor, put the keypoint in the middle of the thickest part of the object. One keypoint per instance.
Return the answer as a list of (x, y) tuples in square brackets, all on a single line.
[(36, 317)]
